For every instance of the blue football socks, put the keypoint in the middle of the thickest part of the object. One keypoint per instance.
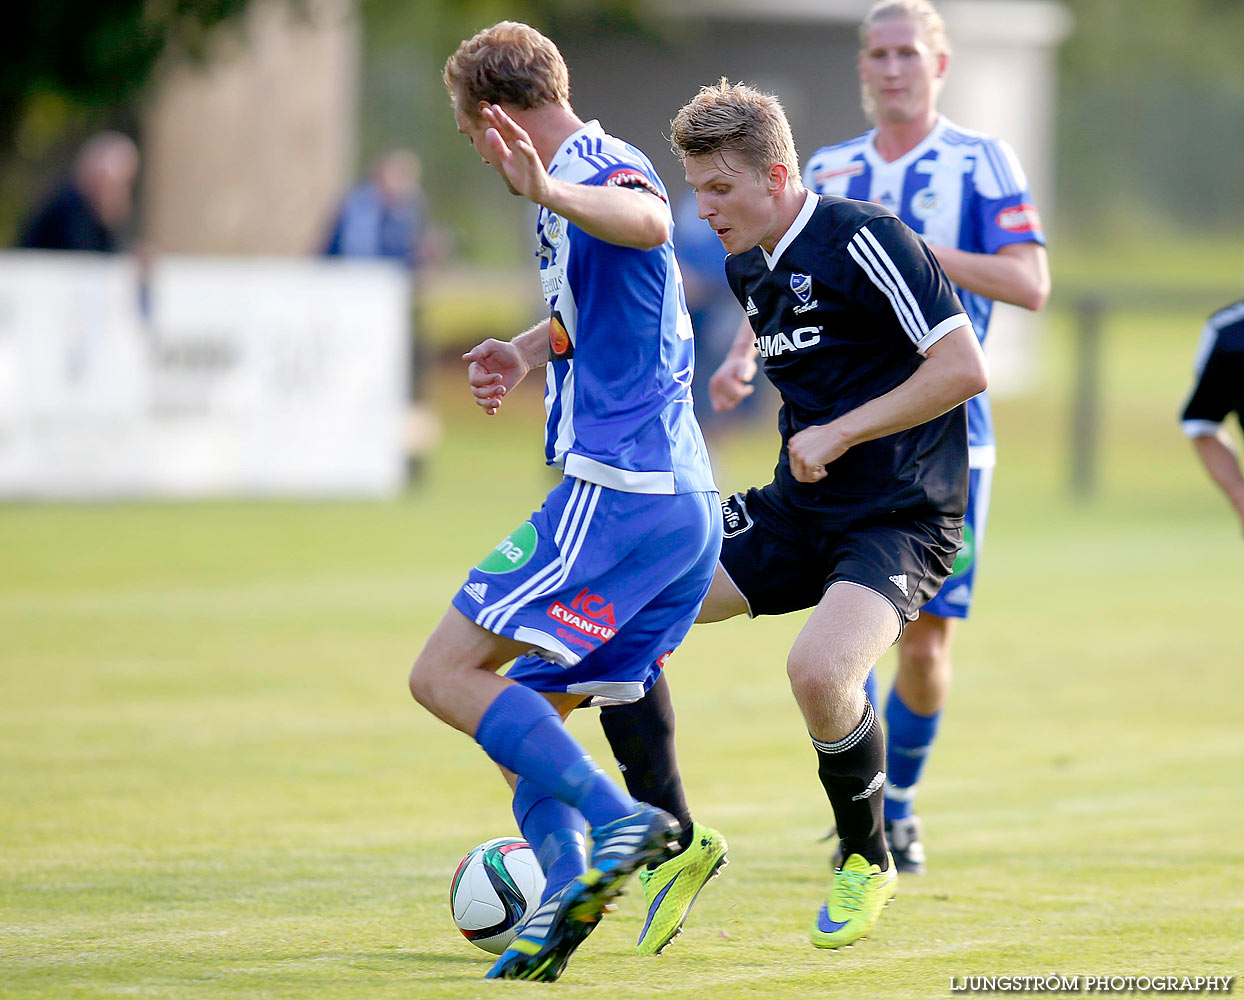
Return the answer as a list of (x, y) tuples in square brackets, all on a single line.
[(908, 737), (521, 731), (555, 831)]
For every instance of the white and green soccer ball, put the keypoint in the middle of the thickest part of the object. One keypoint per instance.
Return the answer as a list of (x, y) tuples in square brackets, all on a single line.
[(492, 890)]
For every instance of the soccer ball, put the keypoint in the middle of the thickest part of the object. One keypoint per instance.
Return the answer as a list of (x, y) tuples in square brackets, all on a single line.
[(492, 889)]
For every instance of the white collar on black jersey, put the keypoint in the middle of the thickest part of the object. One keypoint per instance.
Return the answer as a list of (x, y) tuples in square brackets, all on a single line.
[(810, 201), (567, 150)]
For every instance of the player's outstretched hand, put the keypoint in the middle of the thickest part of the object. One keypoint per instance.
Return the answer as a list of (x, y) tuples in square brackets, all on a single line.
[(812, 449), (510, 147), (493, 369), (732, 382)]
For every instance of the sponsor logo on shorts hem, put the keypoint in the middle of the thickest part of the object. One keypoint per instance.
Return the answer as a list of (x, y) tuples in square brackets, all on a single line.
[(585, 625), (589, 613), (734, 515)]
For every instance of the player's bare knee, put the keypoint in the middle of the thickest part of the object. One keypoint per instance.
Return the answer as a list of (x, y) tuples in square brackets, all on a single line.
[(421, 682), (429, 676), (925, 656), (813, 680)]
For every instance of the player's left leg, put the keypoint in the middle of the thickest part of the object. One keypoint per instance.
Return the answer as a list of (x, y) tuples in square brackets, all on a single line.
[(912, 713), (922, 683), (556, 832), (454, 678), (641, 734), (641, 610)]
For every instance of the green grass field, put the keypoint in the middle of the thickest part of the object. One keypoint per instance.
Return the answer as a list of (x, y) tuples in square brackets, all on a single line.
[(215, 784)]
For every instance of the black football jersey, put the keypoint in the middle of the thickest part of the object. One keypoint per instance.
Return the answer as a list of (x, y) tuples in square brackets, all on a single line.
[(842, 311), (1219, 366)]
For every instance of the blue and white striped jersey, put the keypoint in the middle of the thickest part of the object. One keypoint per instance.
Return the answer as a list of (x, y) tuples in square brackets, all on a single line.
[(957, 188), (618, 386)]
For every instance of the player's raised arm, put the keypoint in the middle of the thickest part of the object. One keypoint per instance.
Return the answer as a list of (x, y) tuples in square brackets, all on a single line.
[(630, 216)]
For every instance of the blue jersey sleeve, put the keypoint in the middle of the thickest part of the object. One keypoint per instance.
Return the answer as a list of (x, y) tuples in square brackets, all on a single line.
[(1012, 219), (1005, 212)]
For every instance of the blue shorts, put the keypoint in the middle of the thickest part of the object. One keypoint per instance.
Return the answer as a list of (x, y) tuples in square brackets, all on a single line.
[(602, 584), (954, 600)]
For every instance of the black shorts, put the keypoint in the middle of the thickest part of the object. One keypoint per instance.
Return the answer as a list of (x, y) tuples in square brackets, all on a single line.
[(783, 558)]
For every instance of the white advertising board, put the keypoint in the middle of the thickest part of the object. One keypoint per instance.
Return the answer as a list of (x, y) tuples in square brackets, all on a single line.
[(215, 377)]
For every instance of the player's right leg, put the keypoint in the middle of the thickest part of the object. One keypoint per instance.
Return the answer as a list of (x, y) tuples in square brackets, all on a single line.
[(843, 638), (912, 713), (755, 553), (641, 735), (509, 597), (559, 925), (881, 575)]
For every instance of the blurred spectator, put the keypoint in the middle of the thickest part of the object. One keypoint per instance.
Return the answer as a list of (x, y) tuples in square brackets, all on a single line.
[(383, 215), (91, 208), (715, 312)]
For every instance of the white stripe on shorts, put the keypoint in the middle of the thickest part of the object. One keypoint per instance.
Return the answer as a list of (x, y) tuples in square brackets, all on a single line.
[(571, 532)]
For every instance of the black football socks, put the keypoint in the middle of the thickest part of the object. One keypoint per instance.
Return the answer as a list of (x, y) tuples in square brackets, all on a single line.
[(852, 770), (641, 736)]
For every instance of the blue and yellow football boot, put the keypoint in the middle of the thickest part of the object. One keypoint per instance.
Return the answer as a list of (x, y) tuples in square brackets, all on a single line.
[(670, 889), (859, 893)]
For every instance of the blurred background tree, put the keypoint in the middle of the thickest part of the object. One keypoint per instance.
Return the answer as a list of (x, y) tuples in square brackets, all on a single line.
[(67, 69), (1150, 118), (59, 59)]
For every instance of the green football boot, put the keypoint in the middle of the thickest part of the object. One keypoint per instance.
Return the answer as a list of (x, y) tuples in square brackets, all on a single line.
[(859, 893), (670, 889)]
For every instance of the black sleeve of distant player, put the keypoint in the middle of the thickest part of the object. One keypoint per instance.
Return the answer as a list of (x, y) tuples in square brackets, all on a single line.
[(1220, 389), (897, 275)]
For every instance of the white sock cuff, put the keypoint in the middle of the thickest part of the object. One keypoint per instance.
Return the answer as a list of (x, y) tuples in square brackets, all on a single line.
[(859, 733)]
